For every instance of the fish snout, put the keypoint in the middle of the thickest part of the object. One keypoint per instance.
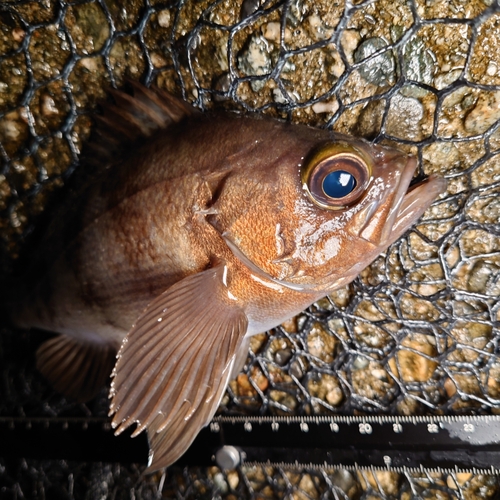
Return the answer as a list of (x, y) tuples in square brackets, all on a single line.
[(374, 221)]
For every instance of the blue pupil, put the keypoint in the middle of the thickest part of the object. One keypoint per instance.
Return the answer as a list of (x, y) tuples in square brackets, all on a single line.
[(338, 184)]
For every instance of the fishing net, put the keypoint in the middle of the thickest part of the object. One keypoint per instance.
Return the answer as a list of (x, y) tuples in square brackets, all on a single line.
[(416, 333)]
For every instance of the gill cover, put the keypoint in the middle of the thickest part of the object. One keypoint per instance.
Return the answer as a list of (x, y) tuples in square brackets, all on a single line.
[(336, 175)]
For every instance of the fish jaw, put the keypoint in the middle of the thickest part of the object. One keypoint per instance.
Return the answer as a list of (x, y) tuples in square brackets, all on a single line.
[(387, 219), (414, 203)]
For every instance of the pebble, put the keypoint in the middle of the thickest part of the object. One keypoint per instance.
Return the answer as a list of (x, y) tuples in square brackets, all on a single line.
[(484, 114), (18, 34), (350, 40), (256, 60), (296, 369), (379, 70), (419, 62), (248, 8), (89, 63), (317, 29), (48, 106), (325, 107), (404, 117), (482, 278), (164, 18), (282, 356), (492, 69), (271, 31)]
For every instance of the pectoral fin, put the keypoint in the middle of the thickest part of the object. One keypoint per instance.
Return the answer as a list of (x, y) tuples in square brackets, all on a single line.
[(175, 363), (74, 368)]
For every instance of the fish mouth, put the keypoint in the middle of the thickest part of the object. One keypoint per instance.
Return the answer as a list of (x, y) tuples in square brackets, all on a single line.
[(414, 196)]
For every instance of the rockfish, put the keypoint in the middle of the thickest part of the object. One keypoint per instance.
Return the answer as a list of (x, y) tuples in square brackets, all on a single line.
[(198, 231)]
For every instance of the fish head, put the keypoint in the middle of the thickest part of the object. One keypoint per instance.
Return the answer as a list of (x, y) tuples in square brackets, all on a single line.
[(324, 211)]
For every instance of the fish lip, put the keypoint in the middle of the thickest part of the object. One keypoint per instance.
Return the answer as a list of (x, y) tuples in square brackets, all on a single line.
[(414, 196)]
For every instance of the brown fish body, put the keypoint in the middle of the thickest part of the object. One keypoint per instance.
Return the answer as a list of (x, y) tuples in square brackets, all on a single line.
[(213, 229), (150, 222)]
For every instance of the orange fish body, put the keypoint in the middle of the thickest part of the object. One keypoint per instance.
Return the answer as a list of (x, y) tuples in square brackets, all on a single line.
[(208, 229)]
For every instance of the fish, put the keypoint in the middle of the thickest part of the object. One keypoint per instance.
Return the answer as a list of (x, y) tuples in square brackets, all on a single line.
[(193, 232)]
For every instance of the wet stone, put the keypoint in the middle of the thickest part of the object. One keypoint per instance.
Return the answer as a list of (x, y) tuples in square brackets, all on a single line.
[(372, 382), (477, 242), (404, 117), (327, 388), (297, 368), (164, 18), (418, 309), (321, 344), (295, 12), (11, 33), (378, 70), (55, 155), (212, 50), (484, 278), (451, 157), (248, 7), (484, 114), (455, 106), (49, 107), (283, 356), (286, 402), (386, 481), (255, 60), (279, 351), (485, 59), (369, 122), (414, 359), (487, 173), (484, 208), (370, 335), (23, 174), (418, 61), (88, 27), (126, 58)]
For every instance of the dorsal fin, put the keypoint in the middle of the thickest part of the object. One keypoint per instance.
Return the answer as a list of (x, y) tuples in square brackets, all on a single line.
[(133, 115)]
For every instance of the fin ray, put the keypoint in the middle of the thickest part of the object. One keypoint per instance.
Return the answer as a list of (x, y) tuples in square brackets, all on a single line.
[(172, 386), (74, 368)]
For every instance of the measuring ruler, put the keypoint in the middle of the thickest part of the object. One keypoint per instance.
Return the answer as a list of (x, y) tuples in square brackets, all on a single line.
[(458, 443)]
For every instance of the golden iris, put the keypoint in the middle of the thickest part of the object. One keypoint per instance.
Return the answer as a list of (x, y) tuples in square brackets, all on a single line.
[(336, 175)]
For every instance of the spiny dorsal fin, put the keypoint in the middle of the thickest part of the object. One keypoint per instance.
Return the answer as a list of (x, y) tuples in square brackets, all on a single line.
[(132, 116)]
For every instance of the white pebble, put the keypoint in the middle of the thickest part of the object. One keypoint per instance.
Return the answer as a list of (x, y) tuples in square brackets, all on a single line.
[(164, 18), (492, 69)]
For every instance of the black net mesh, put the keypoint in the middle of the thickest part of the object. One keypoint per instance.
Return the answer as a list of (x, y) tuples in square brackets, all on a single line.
[(416, 333)]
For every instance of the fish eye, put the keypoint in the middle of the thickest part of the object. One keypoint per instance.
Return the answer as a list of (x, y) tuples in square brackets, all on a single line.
[(336, 175), (338, 184)]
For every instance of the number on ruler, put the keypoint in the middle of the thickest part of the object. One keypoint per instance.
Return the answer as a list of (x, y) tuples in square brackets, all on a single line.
[(248, 427), (334, 427), (469, 428), (365, 428), (432, 428), (397, 428)]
